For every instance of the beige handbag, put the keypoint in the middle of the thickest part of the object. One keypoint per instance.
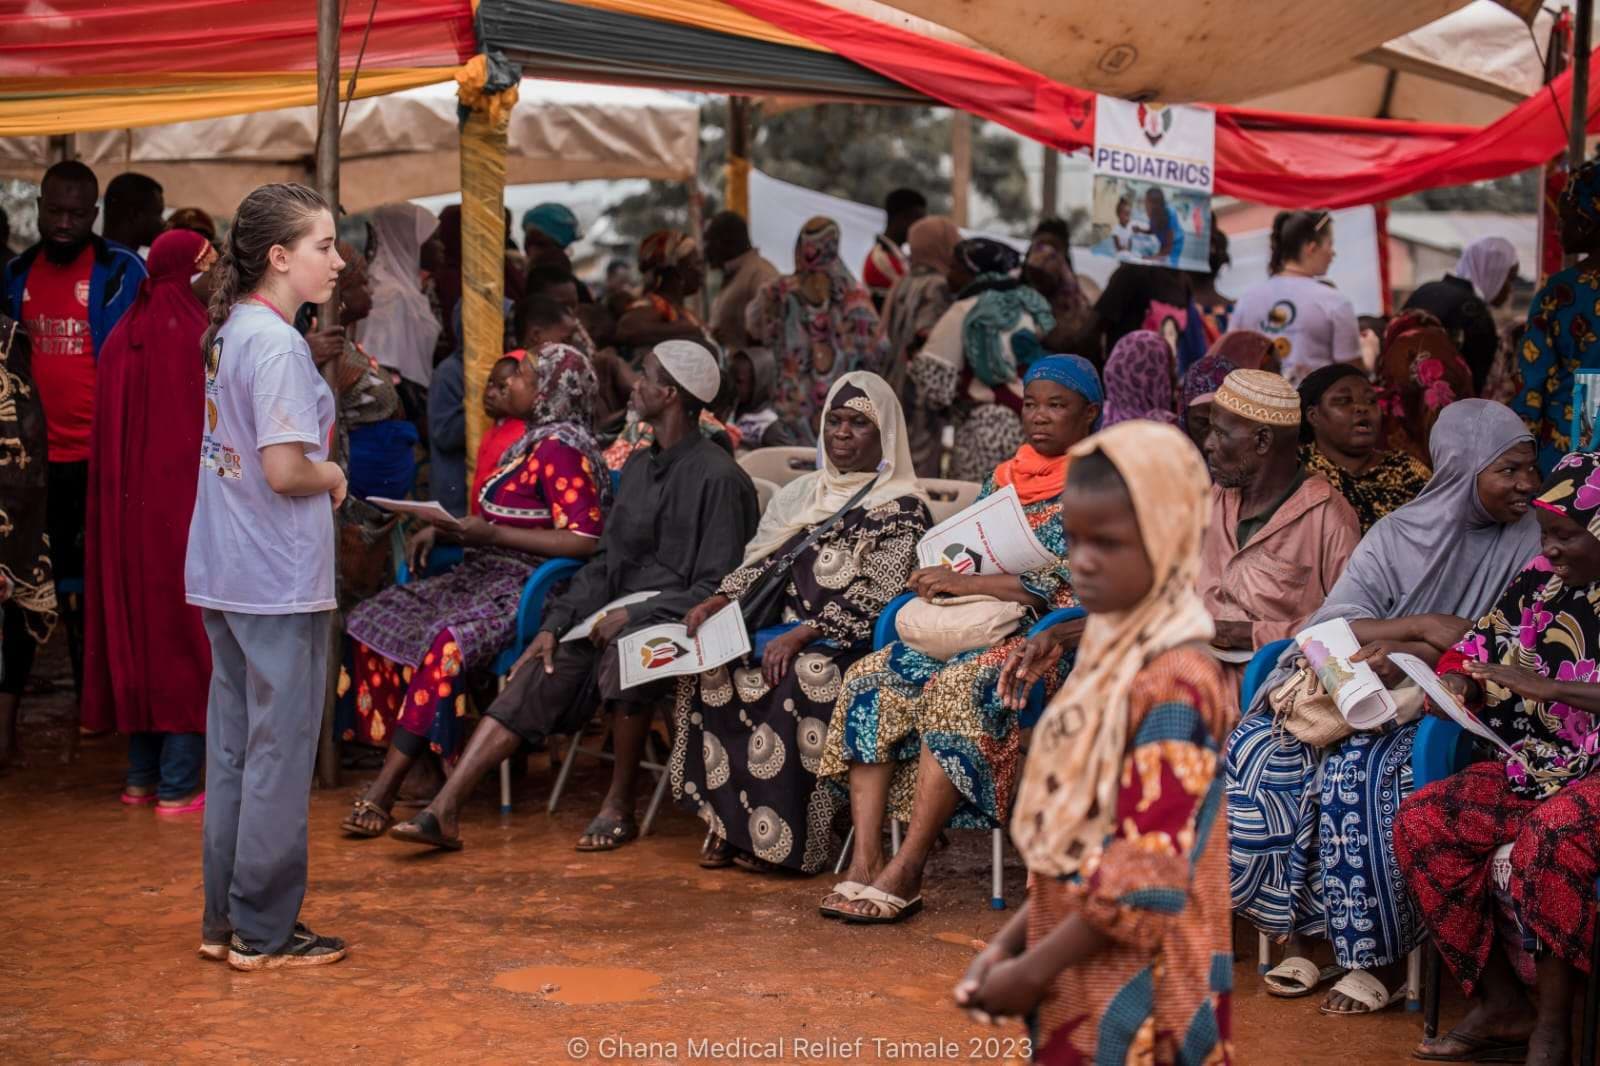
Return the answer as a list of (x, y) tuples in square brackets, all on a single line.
[(954, 624), (1303, 707)]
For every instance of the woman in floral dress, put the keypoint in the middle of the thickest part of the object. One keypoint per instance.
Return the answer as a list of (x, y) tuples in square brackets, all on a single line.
[(933, 740)]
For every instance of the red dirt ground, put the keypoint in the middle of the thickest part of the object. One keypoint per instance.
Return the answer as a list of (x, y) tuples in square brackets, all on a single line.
[(514, 950)]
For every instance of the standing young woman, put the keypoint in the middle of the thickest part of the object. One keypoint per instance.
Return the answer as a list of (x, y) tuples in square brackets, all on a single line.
[(260, 567), (1311, 323)]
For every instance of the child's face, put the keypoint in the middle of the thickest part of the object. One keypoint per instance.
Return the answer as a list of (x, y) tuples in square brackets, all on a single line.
[(1110, 569), (497, 393), (1124, 212)]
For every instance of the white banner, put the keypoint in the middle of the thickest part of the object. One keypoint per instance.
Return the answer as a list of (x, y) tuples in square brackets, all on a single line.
[(1154, 169)]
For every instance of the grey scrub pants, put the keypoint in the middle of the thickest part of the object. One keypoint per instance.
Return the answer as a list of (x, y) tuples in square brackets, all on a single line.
[(269, 673)]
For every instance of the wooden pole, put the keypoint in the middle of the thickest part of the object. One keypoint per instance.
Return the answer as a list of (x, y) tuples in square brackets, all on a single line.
[(960, 165), (327, 161), (1579, 114), (1051, 180), (737, 177)]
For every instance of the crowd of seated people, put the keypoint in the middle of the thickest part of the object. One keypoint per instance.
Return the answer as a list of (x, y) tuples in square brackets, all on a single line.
[(1203, 503)]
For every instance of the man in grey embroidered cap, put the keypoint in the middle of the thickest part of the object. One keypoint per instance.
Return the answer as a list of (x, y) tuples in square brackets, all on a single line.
[(1279, 536), (682, 515)]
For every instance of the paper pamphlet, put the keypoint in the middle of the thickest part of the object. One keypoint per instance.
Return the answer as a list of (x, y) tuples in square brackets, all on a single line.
[(1442, 698), (990, 537), (584, 628), (428, 510), (667, 650), (1355, 688)]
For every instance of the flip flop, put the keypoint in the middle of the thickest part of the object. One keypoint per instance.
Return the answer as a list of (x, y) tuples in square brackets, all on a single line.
[(361, 806), (888, 909), (425, 830), (756, 865), (1371, 993), (1475, 1049), (1296, 977), (846, 891), (198, 803), (716, 853), (614, 832), (128, 799)]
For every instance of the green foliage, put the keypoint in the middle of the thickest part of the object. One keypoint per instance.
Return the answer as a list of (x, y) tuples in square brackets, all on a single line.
[(856, 151)]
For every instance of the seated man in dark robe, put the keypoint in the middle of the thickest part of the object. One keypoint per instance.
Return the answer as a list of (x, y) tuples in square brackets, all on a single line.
[(684, 511)]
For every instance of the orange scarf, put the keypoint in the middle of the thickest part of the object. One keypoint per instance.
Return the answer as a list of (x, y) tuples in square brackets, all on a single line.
[(1037, 477)]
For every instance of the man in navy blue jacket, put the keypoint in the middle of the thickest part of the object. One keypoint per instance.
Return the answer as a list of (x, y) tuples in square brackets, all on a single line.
[(69, 291)]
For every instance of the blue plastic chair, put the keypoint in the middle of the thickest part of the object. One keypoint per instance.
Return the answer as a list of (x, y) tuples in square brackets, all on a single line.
[(1261, 666)]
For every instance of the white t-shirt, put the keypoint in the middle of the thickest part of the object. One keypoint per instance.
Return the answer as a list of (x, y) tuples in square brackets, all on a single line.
[(251, 550), (1313, 325)]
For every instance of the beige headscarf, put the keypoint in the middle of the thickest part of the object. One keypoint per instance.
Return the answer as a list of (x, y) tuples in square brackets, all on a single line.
[(1068, 799), (814, 497)]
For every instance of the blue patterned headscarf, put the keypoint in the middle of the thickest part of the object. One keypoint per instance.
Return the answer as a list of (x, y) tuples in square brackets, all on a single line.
[(1071, 372), (554, 221)]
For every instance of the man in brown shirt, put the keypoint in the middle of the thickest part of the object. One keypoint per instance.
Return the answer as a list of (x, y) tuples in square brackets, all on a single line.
[(743, 270), (1279, 535)]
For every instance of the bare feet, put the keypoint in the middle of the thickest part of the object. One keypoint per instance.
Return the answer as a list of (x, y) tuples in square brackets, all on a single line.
[(1550, 1045), (1485, 1024)]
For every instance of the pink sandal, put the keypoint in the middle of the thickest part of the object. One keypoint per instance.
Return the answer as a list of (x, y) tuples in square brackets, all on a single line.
[(146, 800), (196, 804)]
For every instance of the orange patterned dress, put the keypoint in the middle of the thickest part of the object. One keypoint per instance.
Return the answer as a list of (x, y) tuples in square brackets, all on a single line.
[(1159, 992)]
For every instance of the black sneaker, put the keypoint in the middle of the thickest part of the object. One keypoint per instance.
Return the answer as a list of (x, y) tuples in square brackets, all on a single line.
[(305, 948)]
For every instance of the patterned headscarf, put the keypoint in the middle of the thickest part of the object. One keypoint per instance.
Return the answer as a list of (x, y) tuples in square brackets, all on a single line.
[(1573, 490), (983, 256), (1239, 349), (1581, 197), (1069, 371), (1068, 796), (662, 249), (933, 242), (1138, 379), (1420, 373), (818, 315), (569, 392)]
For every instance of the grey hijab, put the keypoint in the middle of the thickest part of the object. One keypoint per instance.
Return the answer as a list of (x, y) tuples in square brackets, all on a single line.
[(1441, 553), (764, 375)]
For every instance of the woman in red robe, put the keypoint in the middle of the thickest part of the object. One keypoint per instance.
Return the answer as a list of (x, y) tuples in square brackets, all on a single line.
[(147, 663)]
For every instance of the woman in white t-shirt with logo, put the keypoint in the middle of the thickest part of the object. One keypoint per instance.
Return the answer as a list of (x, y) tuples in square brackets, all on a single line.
[(1310, 322), (260, 567)]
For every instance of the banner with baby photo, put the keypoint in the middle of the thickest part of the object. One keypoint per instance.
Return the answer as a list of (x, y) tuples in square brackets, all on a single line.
[(1154, 169)]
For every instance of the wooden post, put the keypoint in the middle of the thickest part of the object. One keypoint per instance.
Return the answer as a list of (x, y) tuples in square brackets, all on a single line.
[(1579, 112), (327, 161), (1050, 180), (960, 165), (737, 177), (483, 237)]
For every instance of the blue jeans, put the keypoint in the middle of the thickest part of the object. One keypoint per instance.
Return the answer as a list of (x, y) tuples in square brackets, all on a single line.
[(171, 761)]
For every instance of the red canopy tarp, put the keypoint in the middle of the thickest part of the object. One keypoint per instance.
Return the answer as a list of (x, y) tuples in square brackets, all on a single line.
[(1269, 158)]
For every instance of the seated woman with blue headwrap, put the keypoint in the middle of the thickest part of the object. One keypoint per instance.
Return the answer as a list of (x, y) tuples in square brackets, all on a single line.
[(933, 741)]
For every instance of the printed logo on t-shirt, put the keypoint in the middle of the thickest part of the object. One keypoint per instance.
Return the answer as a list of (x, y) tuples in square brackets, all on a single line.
[(215, 455), (81, 291), (1281, 317)]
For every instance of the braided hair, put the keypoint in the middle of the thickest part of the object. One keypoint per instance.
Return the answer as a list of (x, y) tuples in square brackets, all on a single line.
[(277, 214)]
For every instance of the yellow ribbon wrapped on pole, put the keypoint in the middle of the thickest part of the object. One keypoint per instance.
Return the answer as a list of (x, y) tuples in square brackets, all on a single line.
[(483, 237)]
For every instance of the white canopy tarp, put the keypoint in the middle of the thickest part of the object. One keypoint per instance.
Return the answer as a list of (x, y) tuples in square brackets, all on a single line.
[(1224, 51), (394, 147), (1470, 67)]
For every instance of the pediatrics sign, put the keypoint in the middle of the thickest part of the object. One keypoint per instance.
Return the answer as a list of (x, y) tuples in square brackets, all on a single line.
[(1154, 169)]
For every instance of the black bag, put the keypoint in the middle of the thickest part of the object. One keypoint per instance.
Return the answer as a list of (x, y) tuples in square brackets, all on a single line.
[(762, 605)]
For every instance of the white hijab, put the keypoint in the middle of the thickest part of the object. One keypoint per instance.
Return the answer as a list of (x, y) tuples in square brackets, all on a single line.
[(401, 332), (814, 497), (1487, 263)]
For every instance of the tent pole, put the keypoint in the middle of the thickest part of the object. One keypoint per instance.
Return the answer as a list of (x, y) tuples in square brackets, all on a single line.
[(1051, 179), (960, 165), (327, 161), (1579, 114), (737, 179)]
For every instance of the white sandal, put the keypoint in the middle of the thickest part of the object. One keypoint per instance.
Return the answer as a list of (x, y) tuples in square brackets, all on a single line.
[(1296, 977), (1367, 991), (886, 908), (849, 890)]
